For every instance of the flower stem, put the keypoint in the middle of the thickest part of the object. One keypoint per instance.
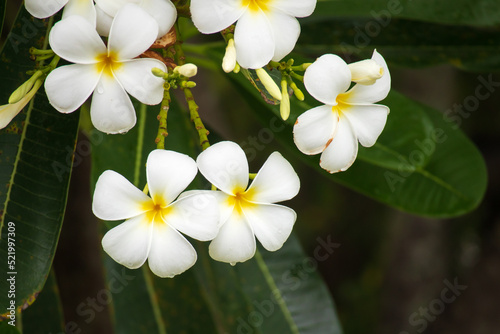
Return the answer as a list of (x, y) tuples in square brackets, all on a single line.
[(162, 118), (296, 76), (193, 107), (195, 118)]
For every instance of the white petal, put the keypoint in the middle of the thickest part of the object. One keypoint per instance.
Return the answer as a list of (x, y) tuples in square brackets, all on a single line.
[(132, 32), (171, 254), (276, 181), (111, 7), (367, 121), (168, 174), (326, 78), (225, 166), (224, 202), (163, 11), (129, 242), (342, 151), (44, 8), (286, 31), (69, 86), (115, 198), (196, 215), (373, 93), (111, 110), (83, 8), (254, 40), (314, 129), (297, 8), (103, 21), (215, 15), (138, 80), (235, 241), (272, 224), (76, 40), (9, 111)]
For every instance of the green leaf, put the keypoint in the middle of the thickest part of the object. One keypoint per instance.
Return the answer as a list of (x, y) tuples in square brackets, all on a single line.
[(420, 164), (225, 299), (3, 7), (459, 12), (5, 328), (36, 151), (35, 319), (403, 42)]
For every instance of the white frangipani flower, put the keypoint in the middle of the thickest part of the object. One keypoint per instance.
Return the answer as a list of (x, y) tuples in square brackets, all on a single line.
[(109, 72), (163, 11), (348, 116), (248, 213), (152, 225), (44, 8), (265, 29)]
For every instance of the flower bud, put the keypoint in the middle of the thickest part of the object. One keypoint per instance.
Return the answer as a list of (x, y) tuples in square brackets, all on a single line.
[(285, 100), (188, 84), (157, 72), (9, 111), (22, 90), (366, 72), (229, 60), (297, 92), (187, 70), (269, 83)]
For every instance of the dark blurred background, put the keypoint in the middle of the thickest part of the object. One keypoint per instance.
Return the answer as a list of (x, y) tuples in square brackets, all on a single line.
[(392, 269)]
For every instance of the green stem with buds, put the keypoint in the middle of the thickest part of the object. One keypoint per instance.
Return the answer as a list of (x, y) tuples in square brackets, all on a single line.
[(162, 118), (193, 107), (195, 118)]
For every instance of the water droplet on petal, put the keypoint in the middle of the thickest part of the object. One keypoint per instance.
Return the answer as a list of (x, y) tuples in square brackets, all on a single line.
[(100, 89), (233, 263), (171, 276)]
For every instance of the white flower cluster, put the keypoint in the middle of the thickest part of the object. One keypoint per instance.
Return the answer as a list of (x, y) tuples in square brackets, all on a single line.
[(232, 217), (104, 41)]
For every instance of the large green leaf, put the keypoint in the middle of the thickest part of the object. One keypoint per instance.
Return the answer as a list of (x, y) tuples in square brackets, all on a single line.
[(250, 297), (35, 165), (403, 42), (460, 12), (35, 319), (420, 163)]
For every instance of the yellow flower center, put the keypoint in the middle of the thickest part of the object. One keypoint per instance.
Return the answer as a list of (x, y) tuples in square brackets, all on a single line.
[(156, 210), (255, 5), (341, 107), (107, 63), (241, 201)]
